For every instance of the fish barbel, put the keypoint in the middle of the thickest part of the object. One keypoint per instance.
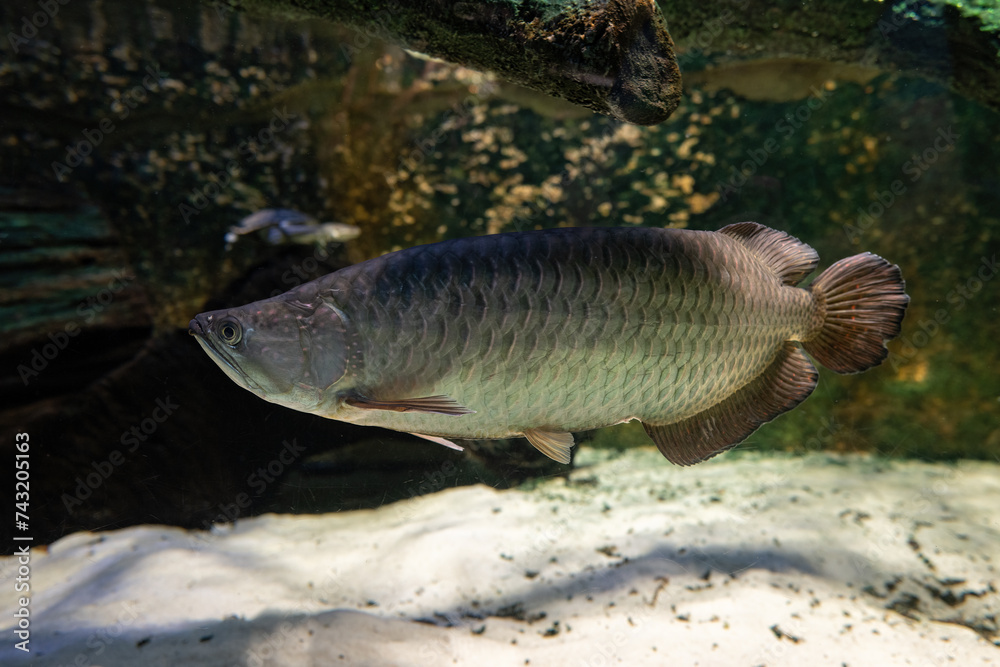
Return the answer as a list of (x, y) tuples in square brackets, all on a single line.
[(698, 335)]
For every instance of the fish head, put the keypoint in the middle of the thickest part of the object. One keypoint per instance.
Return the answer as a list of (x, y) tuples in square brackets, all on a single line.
[(285, 351)]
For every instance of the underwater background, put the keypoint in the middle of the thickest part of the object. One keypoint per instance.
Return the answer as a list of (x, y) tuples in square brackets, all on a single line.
[(133, 136), (198, 117)]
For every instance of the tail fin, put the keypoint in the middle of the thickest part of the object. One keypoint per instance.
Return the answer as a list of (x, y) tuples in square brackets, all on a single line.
[(864, 300)]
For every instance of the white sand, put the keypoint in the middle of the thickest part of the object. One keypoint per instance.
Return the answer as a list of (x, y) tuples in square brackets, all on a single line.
[(744, 560)]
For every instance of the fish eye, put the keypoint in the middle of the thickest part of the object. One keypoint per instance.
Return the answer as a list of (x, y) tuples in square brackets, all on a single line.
[(230, 331)]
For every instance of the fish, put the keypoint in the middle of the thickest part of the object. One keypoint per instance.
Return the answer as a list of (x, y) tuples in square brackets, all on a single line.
[(702, 336), (279, 226)]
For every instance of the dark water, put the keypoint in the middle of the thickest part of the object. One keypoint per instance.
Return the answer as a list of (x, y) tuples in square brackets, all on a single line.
[(132, 136)]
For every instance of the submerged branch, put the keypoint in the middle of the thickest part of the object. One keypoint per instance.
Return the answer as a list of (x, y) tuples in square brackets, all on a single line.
[(612, 56)]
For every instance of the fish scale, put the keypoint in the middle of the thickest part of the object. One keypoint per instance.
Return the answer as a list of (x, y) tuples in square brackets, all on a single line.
[(586, 290)]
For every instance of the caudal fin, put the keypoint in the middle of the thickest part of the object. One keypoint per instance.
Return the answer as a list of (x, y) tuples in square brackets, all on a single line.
[(865, 301)]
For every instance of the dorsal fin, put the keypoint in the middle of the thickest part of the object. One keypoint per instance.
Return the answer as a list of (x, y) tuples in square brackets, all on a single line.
[(790, 258)]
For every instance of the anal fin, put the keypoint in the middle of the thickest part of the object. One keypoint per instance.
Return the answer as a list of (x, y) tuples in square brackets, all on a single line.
[(554, 444), (441, 441), (441, 405), (788, 381)]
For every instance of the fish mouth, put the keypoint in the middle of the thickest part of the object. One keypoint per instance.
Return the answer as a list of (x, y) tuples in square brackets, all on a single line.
[(228, 364)]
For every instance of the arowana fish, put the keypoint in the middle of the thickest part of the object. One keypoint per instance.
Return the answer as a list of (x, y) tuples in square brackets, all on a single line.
[(698, 335)]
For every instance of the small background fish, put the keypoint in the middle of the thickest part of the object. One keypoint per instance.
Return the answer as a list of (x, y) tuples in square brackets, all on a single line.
[(284, 225), (698, 335)]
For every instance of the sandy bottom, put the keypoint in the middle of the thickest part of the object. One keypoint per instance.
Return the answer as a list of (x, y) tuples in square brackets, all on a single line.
[(746, 560)]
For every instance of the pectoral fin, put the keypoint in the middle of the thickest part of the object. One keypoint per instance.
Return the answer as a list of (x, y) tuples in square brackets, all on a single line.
[(441, 405), (441, 441), (553, 444)]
